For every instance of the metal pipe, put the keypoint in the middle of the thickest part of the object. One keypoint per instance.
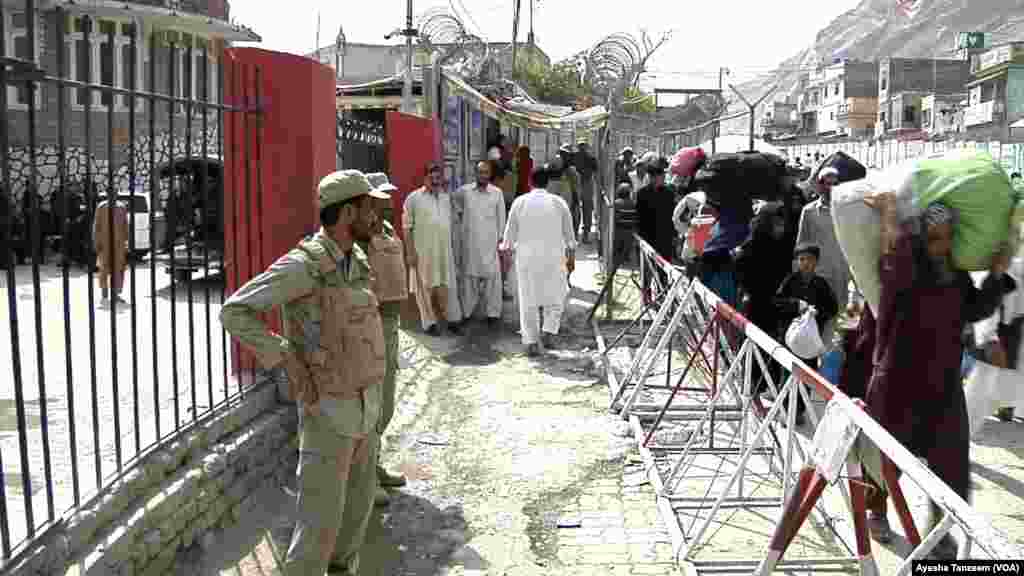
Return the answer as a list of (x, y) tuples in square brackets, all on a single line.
[(110, 258), (133, 80), (189, 88), (154, 191), (248, 202), (12, 307), (224, 345), (87, 94), (407, 107), (176, 213), (207, 201), (69, 373)]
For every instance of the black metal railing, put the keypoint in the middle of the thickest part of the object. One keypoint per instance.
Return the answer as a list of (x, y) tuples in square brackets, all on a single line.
[(361, 144), (94, 385)]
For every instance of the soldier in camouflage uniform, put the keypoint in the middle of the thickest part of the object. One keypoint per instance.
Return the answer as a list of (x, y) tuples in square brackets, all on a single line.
[(332, 349), (391, 288)]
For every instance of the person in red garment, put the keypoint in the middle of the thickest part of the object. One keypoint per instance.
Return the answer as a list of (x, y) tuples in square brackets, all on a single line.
[(915, 390)]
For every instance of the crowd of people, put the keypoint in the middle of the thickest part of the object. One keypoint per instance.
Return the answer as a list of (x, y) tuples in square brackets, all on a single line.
[(779, 260), (469, 249), (464, 250)]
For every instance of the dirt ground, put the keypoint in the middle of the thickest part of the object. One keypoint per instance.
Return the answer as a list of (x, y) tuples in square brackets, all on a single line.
[(515, 467)]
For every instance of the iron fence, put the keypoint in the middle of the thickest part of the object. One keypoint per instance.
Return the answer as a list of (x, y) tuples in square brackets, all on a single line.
[(361, 144), (91, 388)]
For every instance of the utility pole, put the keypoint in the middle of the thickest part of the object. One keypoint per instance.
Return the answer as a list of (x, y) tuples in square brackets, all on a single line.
[(317, 41), (753, 107), (714, 132), (531, 23), (409, 34), (515, 34)]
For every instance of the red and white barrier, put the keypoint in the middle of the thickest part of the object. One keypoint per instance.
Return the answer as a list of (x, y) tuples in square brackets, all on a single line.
[(804, 467)]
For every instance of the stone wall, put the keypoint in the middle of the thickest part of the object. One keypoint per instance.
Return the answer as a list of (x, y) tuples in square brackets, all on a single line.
[(79, 165), (176, 497)]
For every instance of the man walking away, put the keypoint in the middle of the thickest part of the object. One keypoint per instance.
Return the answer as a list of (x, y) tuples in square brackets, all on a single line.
[(427, 219), (540, 233), (586, 165), (110, 236), (333, 352), (480, 217), (390, 279)]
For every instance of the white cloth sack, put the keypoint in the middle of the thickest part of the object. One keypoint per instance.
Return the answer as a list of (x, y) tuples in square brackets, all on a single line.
[(989, 388), (859, 232), (803, 338)]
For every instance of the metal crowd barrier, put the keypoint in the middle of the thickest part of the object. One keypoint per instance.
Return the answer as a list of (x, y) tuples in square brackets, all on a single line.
[(714, 393)]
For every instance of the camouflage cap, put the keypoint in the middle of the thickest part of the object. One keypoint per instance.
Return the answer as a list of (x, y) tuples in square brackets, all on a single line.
[(344, 185)]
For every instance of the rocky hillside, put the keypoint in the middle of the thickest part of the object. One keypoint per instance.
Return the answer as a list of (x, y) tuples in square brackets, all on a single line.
[(876, 29)]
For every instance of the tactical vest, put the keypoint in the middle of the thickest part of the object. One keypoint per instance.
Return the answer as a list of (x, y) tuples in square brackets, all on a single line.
[(351, 354), (387, 260)]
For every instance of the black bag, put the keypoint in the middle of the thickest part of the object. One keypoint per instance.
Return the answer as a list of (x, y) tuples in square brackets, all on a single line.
[(740, 177)]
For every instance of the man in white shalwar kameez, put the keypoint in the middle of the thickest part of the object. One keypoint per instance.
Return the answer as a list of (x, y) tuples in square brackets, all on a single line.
[(427, 220), (540, 234), (480, 212)]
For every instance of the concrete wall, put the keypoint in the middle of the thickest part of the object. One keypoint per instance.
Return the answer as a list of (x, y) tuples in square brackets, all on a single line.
[(175, 498)]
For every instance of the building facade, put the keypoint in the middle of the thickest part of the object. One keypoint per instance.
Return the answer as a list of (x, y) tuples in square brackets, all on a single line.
[(150, 46), (995, 92), (942, 115), (839, 99), (904, 82), (780, 119)]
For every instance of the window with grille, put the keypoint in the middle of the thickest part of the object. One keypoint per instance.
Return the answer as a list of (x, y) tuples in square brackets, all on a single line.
[(16, 25), (104, 58)]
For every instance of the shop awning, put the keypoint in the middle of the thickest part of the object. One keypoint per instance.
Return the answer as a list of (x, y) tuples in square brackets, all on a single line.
[(528, 115)]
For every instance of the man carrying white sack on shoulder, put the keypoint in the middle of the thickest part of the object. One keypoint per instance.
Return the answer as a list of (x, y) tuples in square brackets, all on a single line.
[(994, 383)]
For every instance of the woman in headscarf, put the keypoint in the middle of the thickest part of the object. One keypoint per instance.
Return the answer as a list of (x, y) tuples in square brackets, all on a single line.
[(915, 390), (763, 261), (717, 269)]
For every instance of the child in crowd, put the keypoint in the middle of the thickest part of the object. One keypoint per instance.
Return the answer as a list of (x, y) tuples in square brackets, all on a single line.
[(803, 289)]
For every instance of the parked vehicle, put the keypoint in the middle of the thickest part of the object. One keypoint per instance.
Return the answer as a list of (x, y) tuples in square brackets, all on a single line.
[(141, 241), (192, 195)]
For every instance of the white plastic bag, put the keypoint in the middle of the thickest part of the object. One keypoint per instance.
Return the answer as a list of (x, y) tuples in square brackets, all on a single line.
[(803, 337), (989, 388)]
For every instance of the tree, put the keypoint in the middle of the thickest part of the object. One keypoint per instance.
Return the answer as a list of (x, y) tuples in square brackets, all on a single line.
[(560, 84), (639, 102)]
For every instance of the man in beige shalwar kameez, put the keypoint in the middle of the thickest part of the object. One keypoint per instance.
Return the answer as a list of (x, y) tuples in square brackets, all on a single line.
[(110, 238), (427, 221)]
